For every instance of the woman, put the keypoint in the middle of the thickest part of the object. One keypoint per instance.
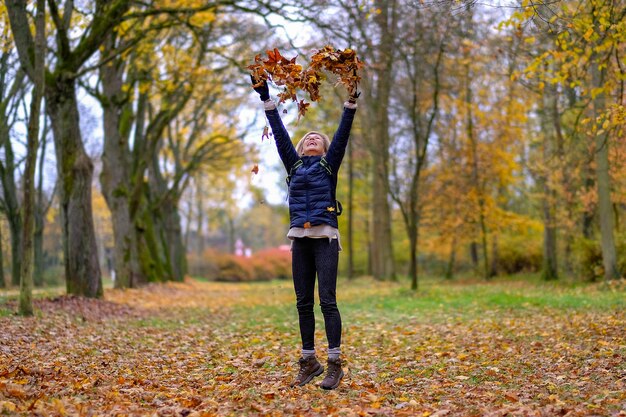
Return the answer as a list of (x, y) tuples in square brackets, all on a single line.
[(312, 168)]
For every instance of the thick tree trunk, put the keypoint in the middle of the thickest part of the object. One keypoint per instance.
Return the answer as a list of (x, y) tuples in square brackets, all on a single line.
[(125, 257), (115, 177), (173, 243), (382, 252), (82, 271), (378, 120), (152, 260)]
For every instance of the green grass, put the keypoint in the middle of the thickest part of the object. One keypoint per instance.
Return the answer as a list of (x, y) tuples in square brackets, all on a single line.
[(371, 300)]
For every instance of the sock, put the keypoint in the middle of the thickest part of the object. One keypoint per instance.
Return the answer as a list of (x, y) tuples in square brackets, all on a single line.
[(308, 353), (333, 353)]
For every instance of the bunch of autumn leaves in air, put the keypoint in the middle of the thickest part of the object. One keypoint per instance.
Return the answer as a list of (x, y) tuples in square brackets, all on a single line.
[(289, 75), (286, 73)]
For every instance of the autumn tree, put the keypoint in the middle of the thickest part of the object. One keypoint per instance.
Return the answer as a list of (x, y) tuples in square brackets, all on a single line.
[(175, 107), (417, 91), (588, 38), (74, 165)]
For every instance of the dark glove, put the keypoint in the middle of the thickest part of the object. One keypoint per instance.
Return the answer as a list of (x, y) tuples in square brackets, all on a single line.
[(354, 90), (353, 96), (262, 89)]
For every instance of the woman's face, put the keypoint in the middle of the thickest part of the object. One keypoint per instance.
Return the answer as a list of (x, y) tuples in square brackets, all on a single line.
[(313, 145)]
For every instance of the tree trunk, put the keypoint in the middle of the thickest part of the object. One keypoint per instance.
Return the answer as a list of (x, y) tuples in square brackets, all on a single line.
[(473, 248), (152, 260), (451, 260), (200, 216), (3, 283), (350, 207), (550, 266), (32, 144), (82, 271), (605, 207), (41, 208), (115, 177), (7, 174), (413, 235), (587, 220), (12, 205), (382, 244), (173, 241), (475, 174), (15, 228), (38, 267), (495, 256)]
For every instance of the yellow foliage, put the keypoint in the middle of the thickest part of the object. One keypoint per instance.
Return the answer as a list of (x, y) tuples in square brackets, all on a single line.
[(202, 18)]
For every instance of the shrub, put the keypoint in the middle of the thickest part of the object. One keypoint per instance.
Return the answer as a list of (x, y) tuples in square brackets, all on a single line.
[(279, 260), (519, 253), (262, 266), (588, 257), (233, 268), (261, 269)]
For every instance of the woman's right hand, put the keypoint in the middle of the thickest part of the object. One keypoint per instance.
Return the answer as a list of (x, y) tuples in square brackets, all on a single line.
[(261, 88)]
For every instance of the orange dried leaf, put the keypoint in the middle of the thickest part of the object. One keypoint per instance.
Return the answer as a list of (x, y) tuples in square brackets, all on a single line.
[(266, 133), (292, 77)]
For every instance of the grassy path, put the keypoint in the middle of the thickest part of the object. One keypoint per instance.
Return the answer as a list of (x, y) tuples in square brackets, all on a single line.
[(201, 349)]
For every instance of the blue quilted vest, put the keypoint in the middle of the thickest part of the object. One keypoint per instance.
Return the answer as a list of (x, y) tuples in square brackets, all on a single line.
[(312, 187)]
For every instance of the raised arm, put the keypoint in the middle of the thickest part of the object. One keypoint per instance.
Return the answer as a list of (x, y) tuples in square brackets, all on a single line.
[(286, 150), (337, 148)]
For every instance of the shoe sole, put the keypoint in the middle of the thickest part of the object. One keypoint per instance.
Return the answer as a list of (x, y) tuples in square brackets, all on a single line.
[(313, 375), (337, 384)]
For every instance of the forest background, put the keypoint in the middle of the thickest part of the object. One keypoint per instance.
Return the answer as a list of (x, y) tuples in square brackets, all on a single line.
[(489, 139)]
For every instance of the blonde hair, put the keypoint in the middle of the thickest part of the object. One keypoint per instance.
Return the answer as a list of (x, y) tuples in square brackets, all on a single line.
[(325, 139)]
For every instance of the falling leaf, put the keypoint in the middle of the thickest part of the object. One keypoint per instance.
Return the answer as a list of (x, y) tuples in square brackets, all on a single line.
[(255, 169), (266, 133)]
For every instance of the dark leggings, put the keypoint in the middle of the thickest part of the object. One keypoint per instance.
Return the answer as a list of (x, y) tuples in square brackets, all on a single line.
[(310, 257)]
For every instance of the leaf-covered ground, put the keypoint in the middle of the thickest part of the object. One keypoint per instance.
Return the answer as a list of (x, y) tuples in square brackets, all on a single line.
[(507, 348)]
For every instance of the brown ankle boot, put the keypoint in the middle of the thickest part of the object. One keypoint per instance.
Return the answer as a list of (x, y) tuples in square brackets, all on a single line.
[(333, 375), (309, 368)]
